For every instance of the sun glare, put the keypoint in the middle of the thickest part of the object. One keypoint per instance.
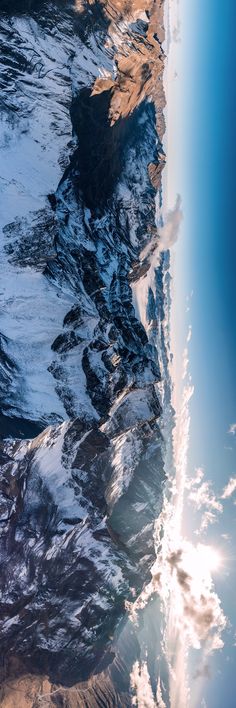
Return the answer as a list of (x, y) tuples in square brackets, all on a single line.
[(210, 556), (201, 561)]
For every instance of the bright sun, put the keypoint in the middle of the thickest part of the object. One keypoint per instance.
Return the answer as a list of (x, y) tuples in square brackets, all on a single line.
[(209, 557), (201, 561)]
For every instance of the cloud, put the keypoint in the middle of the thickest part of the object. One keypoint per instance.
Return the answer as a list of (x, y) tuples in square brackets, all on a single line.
[(185, 363), (189, 335), (202, 497), (143, 696), (141, 686), (207, 519), (201, 493), (169, 232), (160, 701), (194, 617), (229, 489), (202, 616), (202, 672), (226, 536), (232, 429), (181, 574), (193, 481)]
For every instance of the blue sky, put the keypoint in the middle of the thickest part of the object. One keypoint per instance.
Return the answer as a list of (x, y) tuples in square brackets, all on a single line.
[(210, 159), (205, 263)]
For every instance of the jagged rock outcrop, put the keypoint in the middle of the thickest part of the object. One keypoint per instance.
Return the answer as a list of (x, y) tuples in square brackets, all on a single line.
[(83, 351)]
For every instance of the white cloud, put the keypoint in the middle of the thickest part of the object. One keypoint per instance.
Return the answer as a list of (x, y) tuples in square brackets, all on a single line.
[(182, 573), (202, 615), (202, 497), (232, 429), (189, 336), (141, 686), (193, 481), (169, 232), (185, 363), (207, 518), (229, 489), (195, 619), (160, 701)]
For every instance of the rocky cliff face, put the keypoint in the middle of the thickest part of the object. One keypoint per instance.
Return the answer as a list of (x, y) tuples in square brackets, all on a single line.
[(83, 351)]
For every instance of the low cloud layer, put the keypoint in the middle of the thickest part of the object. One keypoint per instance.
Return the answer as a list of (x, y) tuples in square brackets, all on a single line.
[(143, 696), (197, 605), (182, 573), (141, 687)]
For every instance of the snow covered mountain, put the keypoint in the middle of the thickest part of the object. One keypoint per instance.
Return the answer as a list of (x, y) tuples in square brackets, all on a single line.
[(83, 347)]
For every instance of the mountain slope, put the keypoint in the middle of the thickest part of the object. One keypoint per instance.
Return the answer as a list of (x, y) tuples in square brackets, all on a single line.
[(82, 345)]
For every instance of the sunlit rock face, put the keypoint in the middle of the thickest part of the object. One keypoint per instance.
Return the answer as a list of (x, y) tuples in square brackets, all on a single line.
[(81, 370)]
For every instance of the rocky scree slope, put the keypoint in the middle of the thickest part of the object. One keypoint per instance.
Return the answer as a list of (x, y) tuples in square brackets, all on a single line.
[(80, 364)]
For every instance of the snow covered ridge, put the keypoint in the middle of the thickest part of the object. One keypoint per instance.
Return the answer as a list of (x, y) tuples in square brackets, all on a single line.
[(82, 381)]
